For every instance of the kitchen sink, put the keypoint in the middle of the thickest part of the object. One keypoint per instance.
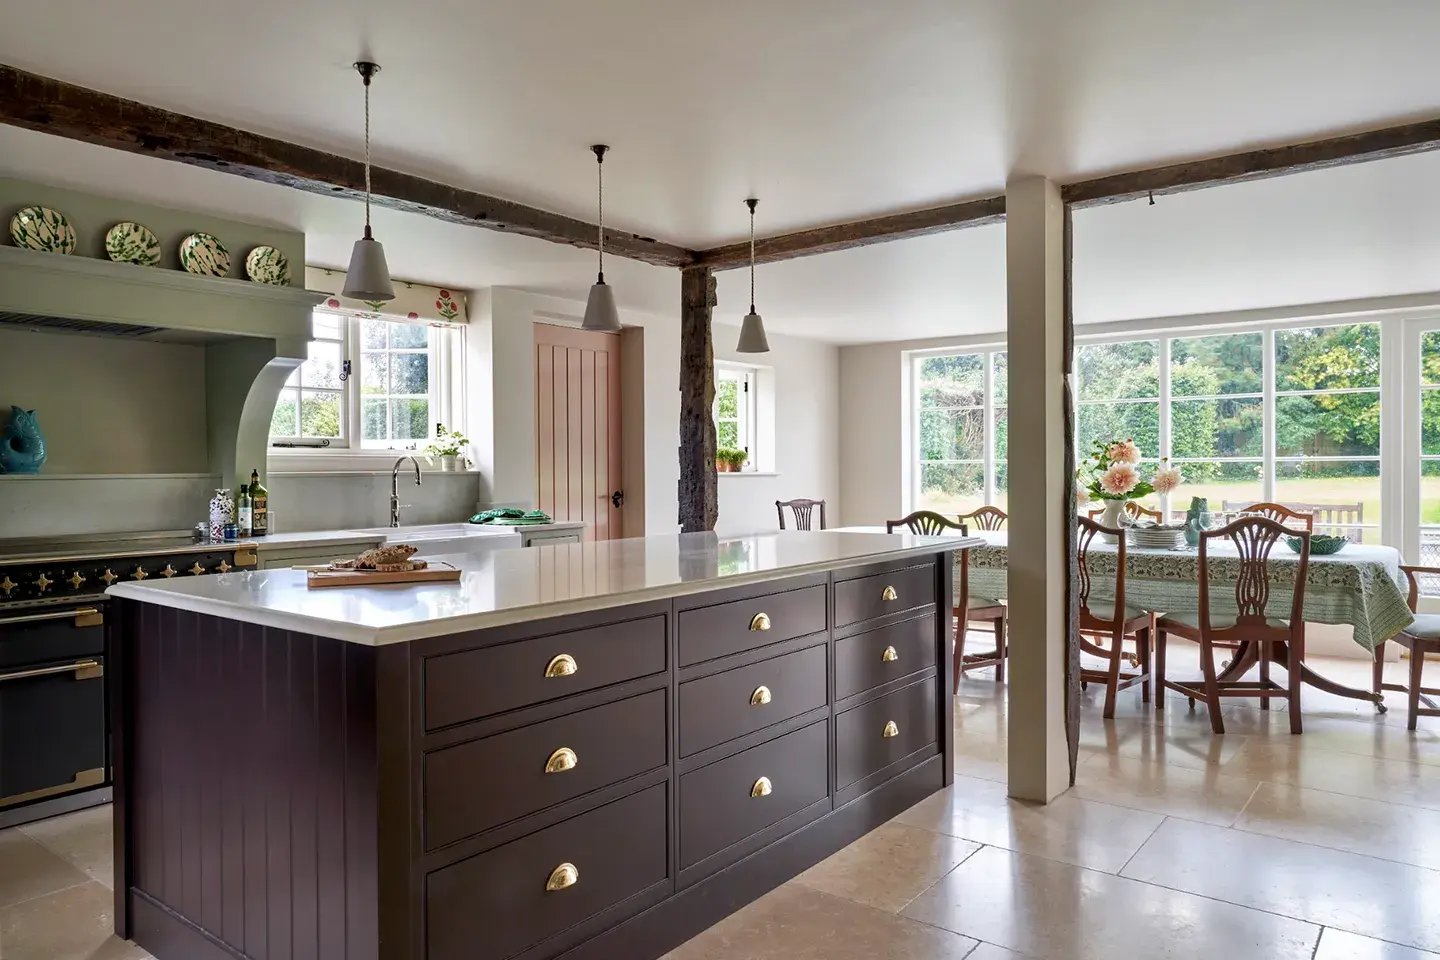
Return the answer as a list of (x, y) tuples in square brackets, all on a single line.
[(435, 538)]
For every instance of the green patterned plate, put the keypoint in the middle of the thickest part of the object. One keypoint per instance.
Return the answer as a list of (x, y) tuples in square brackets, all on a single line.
[(268, 265), (41, 228), (130, 242), (202, 254)]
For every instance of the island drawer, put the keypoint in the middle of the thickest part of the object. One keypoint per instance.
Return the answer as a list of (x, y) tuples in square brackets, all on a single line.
[(473, 786), (727, 705), (478, 683), (729, 800), (739, 625), (866, 660), (874, 735), (881, 594), (498, 903)]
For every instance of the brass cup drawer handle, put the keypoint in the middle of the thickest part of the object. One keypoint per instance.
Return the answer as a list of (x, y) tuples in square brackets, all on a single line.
[(890, 655), (562, 877), (562, 665), (892, 729), (889, 594), (561, 760), (760, 697), (761, 621), (761, 788)]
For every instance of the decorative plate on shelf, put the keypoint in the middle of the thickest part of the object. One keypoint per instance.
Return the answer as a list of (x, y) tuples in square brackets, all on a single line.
[(40, 228), (202, 254), (268, 265), (131, 242)]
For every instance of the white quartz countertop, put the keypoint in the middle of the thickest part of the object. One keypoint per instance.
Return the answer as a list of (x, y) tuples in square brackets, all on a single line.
[(513, 586), (419, 533)]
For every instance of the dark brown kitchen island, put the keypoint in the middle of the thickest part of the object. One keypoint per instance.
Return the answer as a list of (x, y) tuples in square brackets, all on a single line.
[(584, 751)]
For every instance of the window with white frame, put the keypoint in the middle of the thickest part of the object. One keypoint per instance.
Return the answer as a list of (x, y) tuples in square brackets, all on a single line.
[(368, 384), (735, 410), (959, 431)]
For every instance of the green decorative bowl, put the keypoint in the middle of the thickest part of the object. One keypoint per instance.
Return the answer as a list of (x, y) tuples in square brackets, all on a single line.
[(1319, 546)]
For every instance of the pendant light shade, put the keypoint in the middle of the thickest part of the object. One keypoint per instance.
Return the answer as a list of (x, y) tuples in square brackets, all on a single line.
[(752, 328), (600, 312), (369, 276)]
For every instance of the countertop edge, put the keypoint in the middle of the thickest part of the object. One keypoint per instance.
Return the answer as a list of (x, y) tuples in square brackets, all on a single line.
[(383, 636)]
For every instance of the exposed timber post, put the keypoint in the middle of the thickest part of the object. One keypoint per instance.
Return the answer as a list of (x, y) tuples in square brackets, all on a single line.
[(699, 502)]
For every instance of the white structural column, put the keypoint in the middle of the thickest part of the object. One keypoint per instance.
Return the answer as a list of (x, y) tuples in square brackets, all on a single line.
[(1040, 516)]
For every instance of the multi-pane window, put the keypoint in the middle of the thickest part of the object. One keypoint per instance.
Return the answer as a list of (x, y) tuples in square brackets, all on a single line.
[(1430, 453), (367, 384), (960, 431), (734, 410), (1217, 417)]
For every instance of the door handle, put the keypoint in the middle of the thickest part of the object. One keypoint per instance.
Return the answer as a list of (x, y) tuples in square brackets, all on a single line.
[(83, 670), (617, 499), (84, 617)]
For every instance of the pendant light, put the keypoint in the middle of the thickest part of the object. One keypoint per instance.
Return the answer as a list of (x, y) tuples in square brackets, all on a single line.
[(369, 276), (600, 312), (752, 328)]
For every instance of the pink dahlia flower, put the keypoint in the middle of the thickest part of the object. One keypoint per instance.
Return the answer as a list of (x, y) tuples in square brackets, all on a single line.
[(1166, 479), (1119, 479), (1123, 451)]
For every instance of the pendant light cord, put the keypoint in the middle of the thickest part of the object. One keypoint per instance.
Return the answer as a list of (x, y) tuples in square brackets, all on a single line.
[(600, 209), (752, 255), (367, 156)]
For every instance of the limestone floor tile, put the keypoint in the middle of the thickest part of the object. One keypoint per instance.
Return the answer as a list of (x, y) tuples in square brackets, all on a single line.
[(1083, 832), (1357, 894), (988, 951), (1051, 909), (1296, 760), (1374, 828), (74, 923), (794, 922), (1164, 788), (1382, 737), (29, 870), (1148, 739), (84, 838), (888, 867), (1339, 945)]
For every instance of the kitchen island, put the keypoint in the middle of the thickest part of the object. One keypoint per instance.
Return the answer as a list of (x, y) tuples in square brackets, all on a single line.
[(594, 750)]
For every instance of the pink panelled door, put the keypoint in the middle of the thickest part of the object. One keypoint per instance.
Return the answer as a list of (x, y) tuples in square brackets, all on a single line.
[(577, 427)]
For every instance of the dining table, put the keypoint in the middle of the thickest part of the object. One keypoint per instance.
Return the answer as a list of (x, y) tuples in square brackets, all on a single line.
[(1360, 586)]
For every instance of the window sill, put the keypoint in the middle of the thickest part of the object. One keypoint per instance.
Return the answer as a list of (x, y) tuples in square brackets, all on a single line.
[(292, 462), (749, 473)]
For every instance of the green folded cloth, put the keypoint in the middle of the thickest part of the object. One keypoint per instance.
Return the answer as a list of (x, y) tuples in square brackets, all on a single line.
[(511, 517)]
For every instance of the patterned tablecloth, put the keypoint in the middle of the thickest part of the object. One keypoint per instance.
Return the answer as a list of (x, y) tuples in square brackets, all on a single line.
[(1360, 586)]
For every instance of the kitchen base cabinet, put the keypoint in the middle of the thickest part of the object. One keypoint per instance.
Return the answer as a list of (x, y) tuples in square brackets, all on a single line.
[(597, 786)]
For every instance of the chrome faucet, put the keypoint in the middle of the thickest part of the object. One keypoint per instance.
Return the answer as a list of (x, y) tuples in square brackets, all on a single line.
[(395, 488)]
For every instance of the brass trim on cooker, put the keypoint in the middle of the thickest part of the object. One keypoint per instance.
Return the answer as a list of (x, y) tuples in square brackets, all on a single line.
[(84, 617), (246, 557), (83, 670)]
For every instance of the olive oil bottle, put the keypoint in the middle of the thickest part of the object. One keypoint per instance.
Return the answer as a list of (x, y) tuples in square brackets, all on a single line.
[(259, 506)]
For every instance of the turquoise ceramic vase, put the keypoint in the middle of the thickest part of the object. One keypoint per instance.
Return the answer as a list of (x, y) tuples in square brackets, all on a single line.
[(22, 447), (1197, 520)]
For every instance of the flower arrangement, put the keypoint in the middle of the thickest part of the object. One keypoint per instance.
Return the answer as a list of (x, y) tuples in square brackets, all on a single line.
[(447, 443), (1112, 472)]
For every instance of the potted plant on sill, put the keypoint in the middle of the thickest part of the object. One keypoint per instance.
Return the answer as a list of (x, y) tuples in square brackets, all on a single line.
[(448, 448), (1111, 475), (730, 459)]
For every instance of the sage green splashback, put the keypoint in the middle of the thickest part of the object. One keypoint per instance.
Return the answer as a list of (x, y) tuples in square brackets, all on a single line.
[(92, 215)]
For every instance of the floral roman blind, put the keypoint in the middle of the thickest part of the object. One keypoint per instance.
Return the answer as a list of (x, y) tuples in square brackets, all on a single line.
[(413, 303)]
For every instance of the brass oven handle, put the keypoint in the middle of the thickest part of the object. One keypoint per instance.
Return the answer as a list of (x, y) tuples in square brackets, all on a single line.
[(565, 875), (889, 594), (246, 557), (892, 729), (761, 788), (83, 670), (761, 621), (84, 617), (890, 655), (561, 760), (562, 665), (760, 697)]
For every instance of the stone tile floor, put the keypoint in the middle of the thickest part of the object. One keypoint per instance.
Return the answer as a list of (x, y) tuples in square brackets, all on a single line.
[(1173, 844)]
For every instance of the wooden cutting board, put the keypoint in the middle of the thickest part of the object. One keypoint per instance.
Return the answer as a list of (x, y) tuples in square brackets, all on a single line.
[(433, 572)]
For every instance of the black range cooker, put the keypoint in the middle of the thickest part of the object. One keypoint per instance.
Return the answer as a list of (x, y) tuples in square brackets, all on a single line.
[(54, 731)]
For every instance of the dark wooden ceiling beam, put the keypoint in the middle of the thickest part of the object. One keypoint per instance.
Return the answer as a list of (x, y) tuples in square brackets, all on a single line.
[(859, 233), (1257, 164), (66, 110)]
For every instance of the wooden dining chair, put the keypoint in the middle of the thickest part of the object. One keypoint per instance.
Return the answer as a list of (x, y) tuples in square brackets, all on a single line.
[(803, 510), (926, 522), (1420, 638), (1281, 514), (1110, 620), (984, 518), (1250, 626), (1133, 510)]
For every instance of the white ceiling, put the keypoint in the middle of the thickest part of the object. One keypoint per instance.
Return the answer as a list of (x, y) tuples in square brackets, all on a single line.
[(826, 109)]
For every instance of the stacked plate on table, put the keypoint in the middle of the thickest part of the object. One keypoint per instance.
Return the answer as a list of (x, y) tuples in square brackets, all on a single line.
[(1157, 537)]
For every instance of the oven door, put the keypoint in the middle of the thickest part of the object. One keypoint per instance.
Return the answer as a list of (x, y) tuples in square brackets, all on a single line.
[(52, 704)]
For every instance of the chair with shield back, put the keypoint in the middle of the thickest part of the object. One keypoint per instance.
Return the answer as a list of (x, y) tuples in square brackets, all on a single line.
[(1421, 637), (803, 511), (1109, 618), (925, 522), (930, 523), (1279, 512), (988, 611), (1133, 511), (1246, 622)]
